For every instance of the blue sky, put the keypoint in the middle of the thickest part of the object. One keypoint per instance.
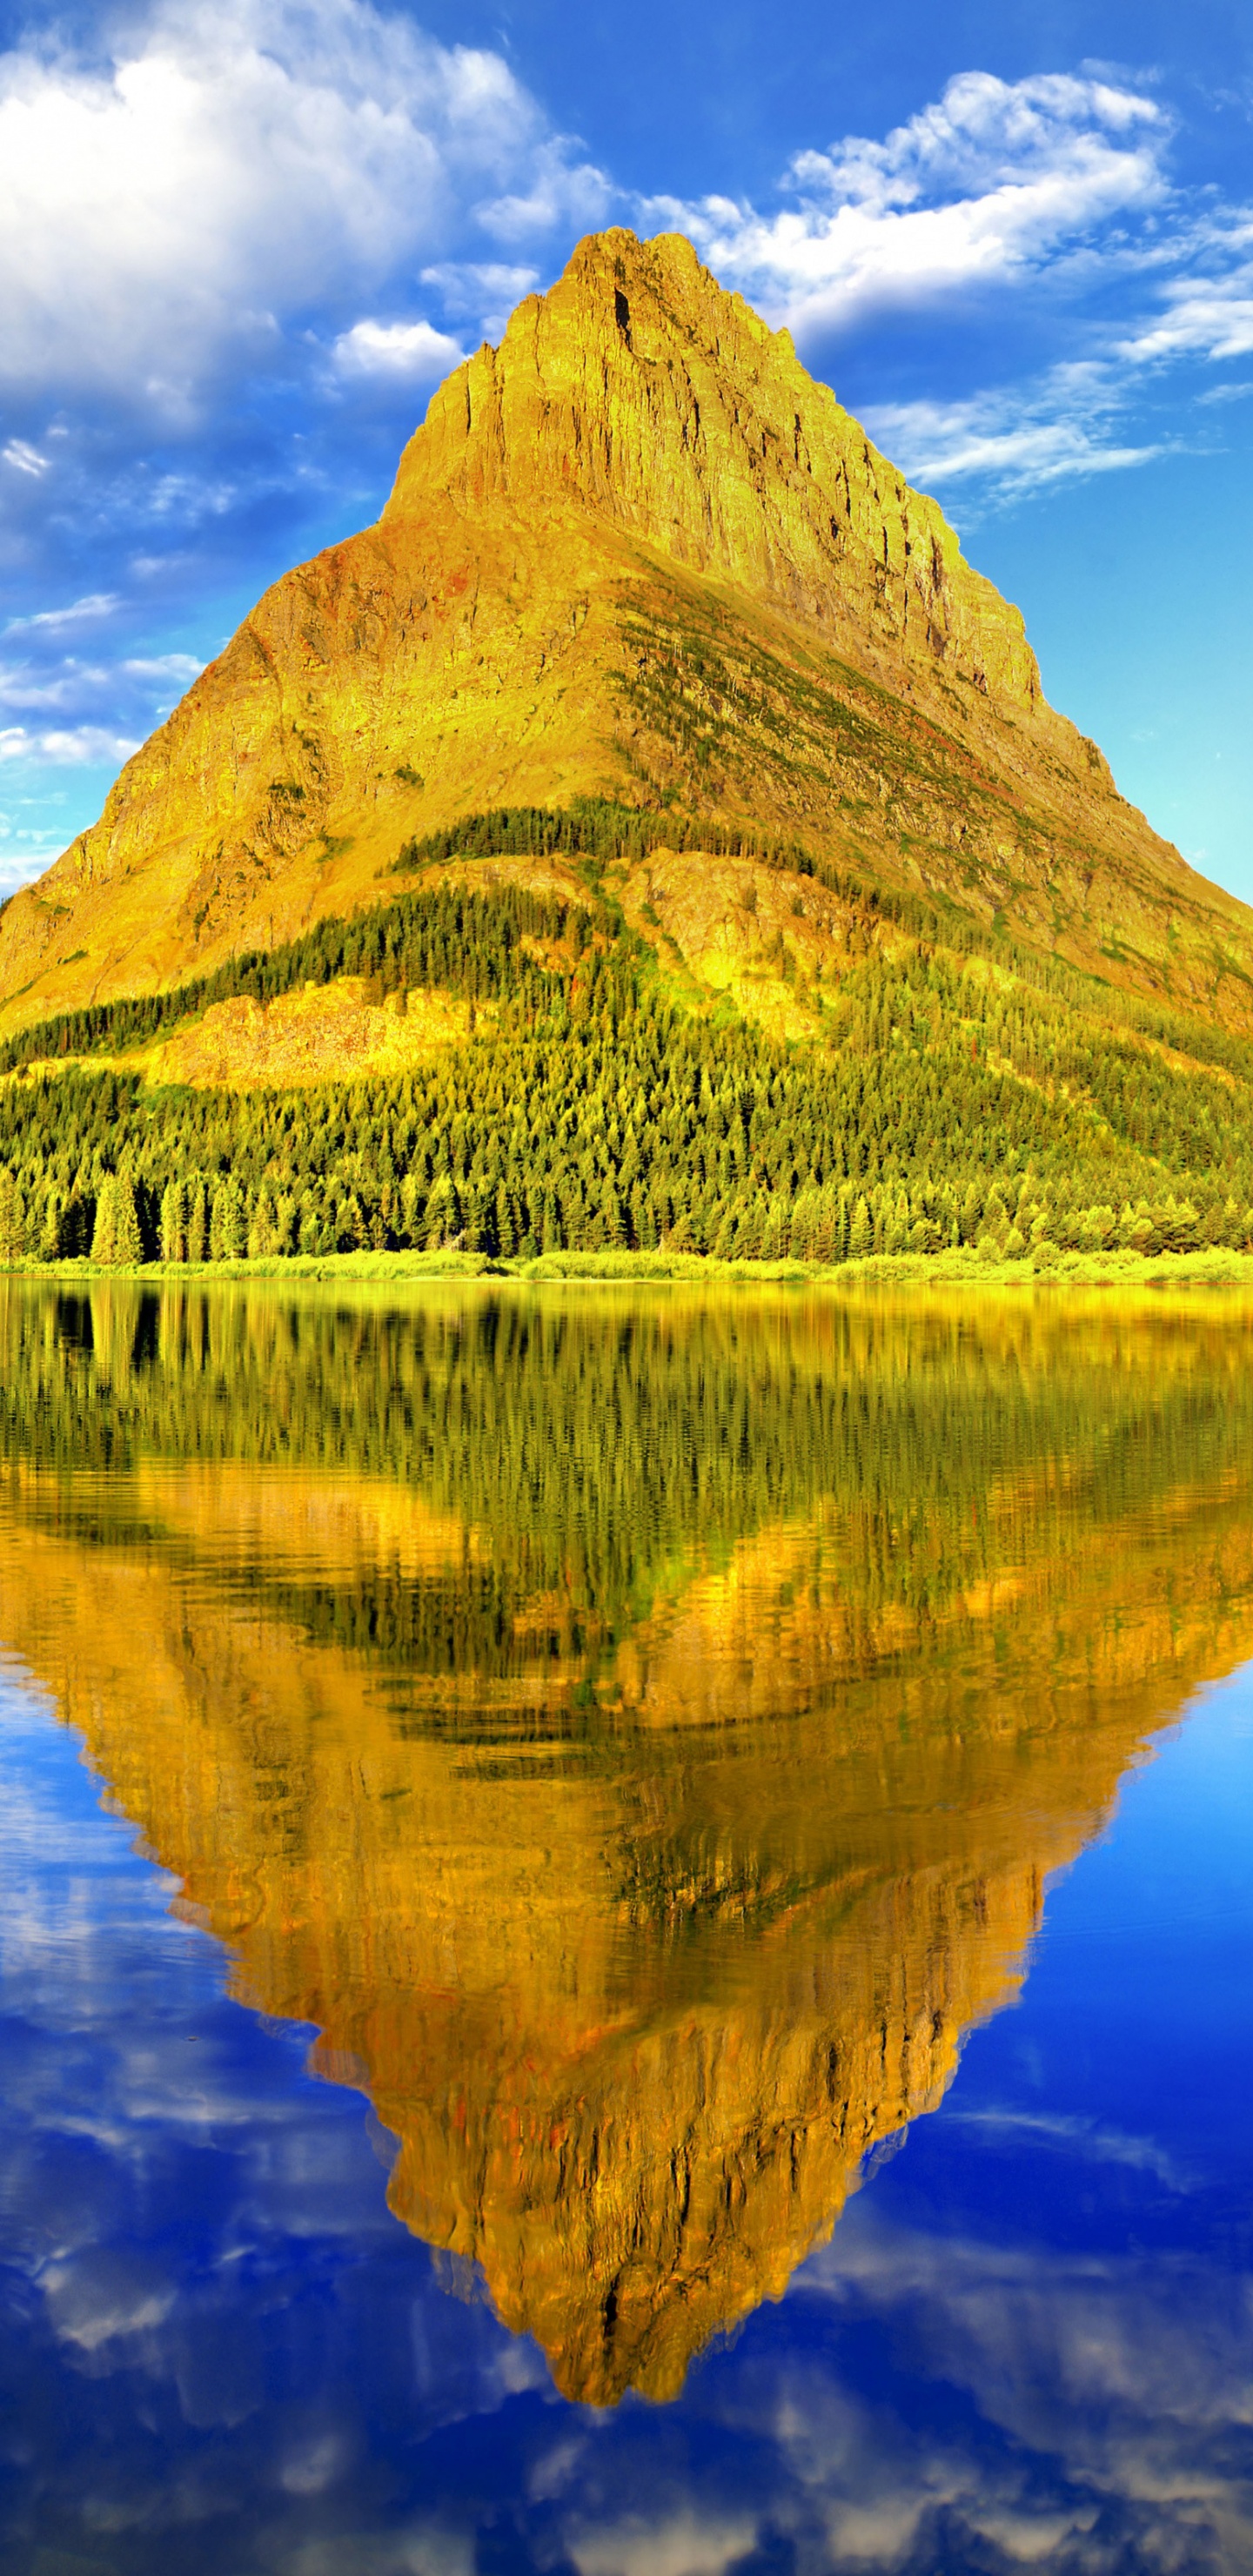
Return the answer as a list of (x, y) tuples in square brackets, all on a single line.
[(240, 241)]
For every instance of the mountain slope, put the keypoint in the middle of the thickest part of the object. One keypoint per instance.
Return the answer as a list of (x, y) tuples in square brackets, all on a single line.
[(635, 553)]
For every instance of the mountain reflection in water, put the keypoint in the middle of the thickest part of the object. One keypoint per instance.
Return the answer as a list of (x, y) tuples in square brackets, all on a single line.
[(635, 1730)]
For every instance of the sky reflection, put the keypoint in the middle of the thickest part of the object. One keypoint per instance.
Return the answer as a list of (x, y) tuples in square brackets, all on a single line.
[(1028, 2343)]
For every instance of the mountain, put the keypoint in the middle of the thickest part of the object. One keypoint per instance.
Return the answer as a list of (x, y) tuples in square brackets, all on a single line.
[(635, 553), (651, 833)]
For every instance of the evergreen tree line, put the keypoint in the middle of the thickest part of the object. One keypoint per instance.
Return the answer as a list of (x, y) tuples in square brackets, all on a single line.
[(948, 1108), (595, 828), (448, 936), (440, 936)]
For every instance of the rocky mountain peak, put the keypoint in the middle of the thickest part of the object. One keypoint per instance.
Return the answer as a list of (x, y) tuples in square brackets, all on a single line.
[(643, 392), (635, 553)]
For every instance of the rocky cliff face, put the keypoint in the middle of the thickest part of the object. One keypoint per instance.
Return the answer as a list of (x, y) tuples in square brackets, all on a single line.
[(634, 551), (642, 395)]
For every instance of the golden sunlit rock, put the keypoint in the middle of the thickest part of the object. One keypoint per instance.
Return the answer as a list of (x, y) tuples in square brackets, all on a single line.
[(634, 552)]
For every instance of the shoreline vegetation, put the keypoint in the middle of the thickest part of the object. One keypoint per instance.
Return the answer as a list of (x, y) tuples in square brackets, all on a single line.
[(1211, 1268)]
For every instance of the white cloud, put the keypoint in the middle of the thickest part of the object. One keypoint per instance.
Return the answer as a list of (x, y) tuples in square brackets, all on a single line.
[(414, 351), (1006, 442), (1209, 317), (24, 856), (1089, 2140), (96, 604), (24, 459), (237, 163), (72, 747), (18, 689), (991, 181), (73, 687), (165, 666), (103, 2294), (556, 193)]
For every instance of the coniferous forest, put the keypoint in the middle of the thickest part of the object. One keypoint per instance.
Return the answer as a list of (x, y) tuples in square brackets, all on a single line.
[(958, 1090)]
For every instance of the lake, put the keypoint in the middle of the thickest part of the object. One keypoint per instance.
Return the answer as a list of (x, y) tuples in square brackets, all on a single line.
[(626, 1932)]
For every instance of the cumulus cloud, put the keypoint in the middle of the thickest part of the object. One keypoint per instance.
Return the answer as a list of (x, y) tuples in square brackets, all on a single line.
[(988, 183), (555, 195), (414, 352), (234, 165)]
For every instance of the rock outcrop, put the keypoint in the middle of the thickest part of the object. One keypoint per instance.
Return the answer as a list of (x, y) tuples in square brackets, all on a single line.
[(635, 551)]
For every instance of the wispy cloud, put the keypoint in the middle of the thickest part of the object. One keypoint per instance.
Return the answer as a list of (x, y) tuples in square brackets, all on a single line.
[(68, 747), (1208, 311), (1091, 2140), (164, 666), (80, 612), (1008, 442), (468, 286), (23, 458)]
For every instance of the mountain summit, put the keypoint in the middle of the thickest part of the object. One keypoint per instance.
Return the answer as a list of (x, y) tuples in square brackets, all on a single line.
[(635, 553)]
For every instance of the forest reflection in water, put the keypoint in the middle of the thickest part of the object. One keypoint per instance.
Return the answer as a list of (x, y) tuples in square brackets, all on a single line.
[(634, 1729)]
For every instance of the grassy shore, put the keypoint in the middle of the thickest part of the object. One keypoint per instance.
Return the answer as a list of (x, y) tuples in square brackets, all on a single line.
[(1121, 1270)]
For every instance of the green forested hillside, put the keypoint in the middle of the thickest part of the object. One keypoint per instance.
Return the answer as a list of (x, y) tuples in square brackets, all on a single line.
[(953, 1090)]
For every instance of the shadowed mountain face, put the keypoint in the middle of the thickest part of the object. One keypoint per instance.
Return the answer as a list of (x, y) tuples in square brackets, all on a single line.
[(636, 1736), (636, 553)]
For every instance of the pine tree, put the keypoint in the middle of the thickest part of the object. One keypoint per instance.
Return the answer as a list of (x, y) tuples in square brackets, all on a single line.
[(173, 1230), (440, 1215), (51, 1232), (104, 1231), (226, 1222), (127, 1241), (263, 1231), (197, 1222), (10, 1218), (777, 1230)]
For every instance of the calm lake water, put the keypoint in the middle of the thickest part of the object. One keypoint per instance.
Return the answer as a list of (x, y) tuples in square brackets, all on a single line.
[(626, 1935)]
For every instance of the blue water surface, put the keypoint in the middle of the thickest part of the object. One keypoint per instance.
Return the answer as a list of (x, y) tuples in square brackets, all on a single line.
[(1027, 2344)]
